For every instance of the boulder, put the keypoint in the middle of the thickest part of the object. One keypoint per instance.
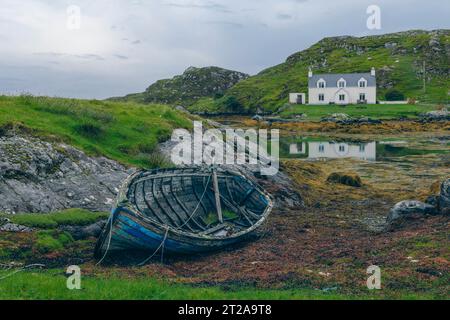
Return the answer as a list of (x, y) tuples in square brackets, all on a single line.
[(12, 227), (348, 179), (437, 115), (409, 210), (84, 232), (336, 117), (444, 198)]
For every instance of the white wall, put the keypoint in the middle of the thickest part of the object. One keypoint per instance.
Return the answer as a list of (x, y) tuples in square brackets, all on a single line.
[(294, 96), (353, 95), (332, 150)]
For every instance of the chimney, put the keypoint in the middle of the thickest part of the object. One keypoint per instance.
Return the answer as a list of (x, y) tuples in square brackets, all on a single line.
[(310, 73), (372, 72)]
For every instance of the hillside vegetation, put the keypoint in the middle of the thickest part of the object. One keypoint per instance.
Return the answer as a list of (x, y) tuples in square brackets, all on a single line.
[(127, 132), (399, 59), (186, 89)]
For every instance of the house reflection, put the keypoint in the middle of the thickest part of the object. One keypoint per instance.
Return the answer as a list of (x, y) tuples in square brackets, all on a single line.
[(334, 150)]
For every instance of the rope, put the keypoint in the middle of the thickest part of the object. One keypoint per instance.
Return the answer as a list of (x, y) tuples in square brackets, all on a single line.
[(22, 269), (198, 204), (109, 241), (156, 251), (165, 236)]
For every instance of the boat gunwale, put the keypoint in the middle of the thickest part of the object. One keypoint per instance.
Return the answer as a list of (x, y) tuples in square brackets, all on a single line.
[(124, 202)]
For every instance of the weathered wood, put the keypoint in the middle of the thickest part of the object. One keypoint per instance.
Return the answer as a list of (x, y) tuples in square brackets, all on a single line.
[(176, 203), (217, 196)]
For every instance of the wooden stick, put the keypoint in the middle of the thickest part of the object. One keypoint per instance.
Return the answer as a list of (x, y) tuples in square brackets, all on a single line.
[(217, 194)]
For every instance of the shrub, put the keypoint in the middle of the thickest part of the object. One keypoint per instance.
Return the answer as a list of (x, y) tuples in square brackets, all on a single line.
[(394, 95), (232, 104), (352, 180), (89, 130), (50, 241)]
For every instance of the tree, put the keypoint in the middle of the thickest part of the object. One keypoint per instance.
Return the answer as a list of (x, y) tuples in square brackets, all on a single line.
[(394, 95), (232, 104)]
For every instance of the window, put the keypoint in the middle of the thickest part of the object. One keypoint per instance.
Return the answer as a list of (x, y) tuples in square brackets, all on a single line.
[(342, 97), (341, 84), (362, 97), (321, 84), (362, 83), (321, 97), (321, 148), (362, 148), (341, 148)]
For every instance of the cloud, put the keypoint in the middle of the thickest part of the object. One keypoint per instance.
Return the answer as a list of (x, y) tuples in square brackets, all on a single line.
[(158, 39), (119, 56), (85, 56), (284, 16), (226, 23), (209, 5)]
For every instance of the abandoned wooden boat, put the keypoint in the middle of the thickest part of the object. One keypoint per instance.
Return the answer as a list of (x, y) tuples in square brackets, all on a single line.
[(184, 211)]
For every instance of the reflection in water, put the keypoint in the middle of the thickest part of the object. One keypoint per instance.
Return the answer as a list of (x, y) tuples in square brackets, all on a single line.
[(369, 151), (333, 150)]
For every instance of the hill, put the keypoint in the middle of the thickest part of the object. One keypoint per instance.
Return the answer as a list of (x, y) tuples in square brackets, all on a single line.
[(126, 132), (399, 59), (186, 89)]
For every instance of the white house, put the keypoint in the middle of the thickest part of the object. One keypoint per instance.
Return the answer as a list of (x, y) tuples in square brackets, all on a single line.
[(342, 88), (332, 150)]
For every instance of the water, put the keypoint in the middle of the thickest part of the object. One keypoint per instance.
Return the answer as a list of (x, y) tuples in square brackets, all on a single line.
[(367, 151)]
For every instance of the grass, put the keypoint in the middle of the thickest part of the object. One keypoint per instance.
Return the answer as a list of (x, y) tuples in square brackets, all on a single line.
[(51, 285), (77, 217), (126, 132), (377, 111), (400, 68)]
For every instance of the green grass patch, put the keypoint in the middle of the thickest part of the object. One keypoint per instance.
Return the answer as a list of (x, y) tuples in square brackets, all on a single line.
[(376, 111), (124, 131), (52, 241), (212, 217), (53, 220), (51, 285)]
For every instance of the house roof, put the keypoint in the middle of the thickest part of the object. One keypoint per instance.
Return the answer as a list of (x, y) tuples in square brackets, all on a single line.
[(351, 78)]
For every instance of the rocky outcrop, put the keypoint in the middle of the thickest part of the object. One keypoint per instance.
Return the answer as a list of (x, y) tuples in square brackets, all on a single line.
[(437, 115), (12, 227), (280, 185), (189, 87), (342, 118), (444, 198), (408, 211), (38, 176), (85, 232)]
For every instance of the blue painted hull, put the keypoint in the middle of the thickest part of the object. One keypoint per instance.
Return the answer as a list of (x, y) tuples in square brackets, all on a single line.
[(164, 211)]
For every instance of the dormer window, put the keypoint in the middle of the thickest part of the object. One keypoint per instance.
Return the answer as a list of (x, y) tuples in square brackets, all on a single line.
[(342, 83), (321, 84), (362, 83)]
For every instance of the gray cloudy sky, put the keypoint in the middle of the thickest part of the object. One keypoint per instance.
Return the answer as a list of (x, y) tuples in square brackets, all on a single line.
[(122, 46)]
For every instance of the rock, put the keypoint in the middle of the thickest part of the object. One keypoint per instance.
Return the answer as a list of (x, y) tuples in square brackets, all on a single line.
[(257, 118), (4, 220), (84, 232), (336, 117), (39, 176), (444, 198), (12, 227), (342, 118), (352, 180), (280, 185), (408, 210), (437, 115), (182, 109), (433, 200)]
